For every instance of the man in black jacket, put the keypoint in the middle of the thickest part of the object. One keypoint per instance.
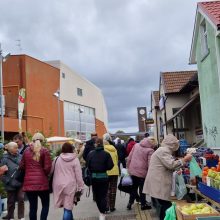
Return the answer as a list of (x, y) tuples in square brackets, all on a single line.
[(90, 145), (99, 162), (19, 139)]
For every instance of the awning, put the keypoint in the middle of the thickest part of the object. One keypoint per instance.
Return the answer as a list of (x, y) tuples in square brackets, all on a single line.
[(187, 104), (56, 139)]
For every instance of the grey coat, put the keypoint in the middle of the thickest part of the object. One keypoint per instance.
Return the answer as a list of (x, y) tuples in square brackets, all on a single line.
[(12, 162), (158, 182)]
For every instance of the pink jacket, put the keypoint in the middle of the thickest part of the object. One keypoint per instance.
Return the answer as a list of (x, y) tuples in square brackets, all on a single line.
[(67, 180), (139, 158)]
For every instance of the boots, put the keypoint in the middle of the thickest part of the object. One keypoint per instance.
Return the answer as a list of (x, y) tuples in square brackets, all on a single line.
[(102, 216)]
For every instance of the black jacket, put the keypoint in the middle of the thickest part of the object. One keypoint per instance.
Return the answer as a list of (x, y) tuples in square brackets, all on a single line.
[(99, 161), (121, 151), (90, 145)]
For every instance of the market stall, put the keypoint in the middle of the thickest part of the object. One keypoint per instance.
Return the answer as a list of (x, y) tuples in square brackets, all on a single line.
[(205, 183), (56, 142)]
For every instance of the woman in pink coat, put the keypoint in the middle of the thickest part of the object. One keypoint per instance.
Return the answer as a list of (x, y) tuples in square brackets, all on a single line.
[(67, 180), (137, 164)]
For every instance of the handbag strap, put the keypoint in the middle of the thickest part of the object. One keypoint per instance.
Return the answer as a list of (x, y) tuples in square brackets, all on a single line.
[(55, 164)]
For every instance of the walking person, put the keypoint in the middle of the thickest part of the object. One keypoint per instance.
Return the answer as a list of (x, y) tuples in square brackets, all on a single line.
[(130, 145), (99, 162), (112, 174), (14, 188), (158, 182), (36, 163), (137, 164), (121, 154), (22, 146), (66, 167), (90, 145), (19, 139), (80, 149)]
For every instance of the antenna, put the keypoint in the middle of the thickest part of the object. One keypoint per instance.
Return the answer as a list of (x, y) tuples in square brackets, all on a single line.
[(19, 44)]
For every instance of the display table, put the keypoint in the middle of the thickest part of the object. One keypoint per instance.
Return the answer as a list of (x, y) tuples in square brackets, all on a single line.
[(216, 204), (197, 192)]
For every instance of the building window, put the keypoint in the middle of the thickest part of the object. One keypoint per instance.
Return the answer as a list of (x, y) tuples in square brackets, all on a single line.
[(63, 75), (204, 39), (178, 120), (79, 92)]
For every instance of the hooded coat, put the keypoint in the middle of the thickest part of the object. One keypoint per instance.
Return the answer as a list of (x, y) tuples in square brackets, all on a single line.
[(114, 155), (158, 182), (139, 158), (67, 180)]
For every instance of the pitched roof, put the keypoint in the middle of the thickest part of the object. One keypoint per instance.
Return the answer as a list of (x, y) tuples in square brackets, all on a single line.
[(156, 95), (174, 81), (212, 10)]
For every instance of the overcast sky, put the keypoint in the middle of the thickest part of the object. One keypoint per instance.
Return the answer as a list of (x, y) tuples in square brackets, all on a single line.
[(119, 45)]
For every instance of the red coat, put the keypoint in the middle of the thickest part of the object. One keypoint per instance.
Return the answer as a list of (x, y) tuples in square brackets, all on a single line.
[(36, 173), (129, 147)]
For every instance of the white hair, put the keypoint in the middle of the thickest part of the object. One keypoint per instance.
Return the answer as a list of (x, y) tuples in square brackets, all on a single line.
[(11, 145)]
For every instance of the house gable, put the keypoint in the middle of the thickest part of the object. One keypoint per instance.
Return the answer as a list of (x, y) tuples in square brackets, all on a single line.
[(210, 11)]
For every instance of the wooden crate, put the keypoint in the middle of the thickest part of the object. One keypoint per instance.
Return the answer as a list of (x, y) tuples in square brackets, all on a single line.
[(194, 216)]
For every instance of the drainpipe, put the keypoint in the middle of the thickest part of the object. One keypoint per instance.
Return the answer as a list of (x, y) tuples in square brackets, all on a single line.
[(165, 113), (157, 126), (217, 54)]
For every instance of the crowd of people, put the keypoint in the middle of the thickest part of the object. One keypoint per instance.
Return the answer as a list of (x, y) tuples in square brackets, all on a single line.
[(150, 168)]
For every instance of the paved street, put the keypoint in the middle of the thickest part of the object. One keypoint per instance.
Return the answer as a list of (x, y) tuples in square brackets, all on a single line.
[(87, 210)]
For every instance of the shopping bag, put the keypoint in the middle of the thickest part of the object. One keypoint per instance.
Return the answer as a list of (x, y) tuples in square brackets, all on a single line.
[(124, 188), (124, 172), (180, 188), (171, 212), (195, 170), (127, 181)]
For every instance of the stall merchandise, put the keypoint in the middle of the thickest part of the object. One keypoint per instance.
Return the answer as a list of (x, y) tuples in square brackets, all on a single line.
[(193, 211)]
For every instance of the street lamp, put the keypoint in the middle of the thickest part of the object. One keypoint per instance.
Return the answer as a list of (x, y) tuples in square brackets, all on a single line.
[(80, 111), (57, 94), (2, 59)]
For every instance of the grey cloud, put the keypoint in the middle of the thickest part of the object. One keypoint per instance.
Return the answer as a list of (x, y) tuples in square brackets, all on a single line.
[(119, 45)]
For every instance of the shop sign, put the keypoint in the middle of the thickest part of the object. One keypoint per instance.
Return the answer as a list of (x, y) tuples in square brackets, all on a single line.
[(149, 121)]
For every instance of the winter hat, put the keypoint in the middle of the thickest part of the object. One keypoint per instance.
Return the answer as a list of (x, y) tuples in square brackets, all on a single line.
[(107, 137)]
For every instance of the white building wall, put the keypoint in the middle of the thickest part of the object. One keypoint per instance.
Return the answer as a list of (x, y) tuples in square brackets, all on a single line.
[(91, 95)]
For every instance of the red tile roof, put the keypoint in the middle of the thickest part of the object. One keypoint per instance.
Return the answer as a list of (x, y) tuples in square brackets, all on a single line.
[(212, 10), (156, 95), (174, 81)]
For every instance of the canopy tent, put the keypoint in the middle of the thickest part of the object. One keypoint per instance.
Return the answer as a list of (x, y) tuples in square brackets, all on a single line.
[(56, 142), (59, 139)]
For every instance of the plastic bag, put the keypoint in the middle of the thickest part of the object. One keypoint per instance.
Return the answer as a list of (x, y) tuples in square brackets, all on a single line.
[(124, 172), (180, 188), (171, 212), (195, 170), (127, 181)]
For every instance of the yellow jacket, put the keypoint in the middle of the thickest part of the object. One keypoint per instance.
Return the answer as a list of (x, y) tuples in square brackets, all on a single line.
[(114, 155)]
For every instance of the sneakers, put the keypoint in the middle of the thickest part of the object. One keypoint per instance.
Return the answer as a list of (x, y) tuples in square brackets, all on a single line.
[(129, 206), (102, 216), (145, 207)]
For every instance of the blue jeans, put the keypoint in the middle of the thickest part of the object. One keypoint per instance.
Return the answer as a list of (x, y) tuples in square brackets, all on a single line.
[(67, 214)]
